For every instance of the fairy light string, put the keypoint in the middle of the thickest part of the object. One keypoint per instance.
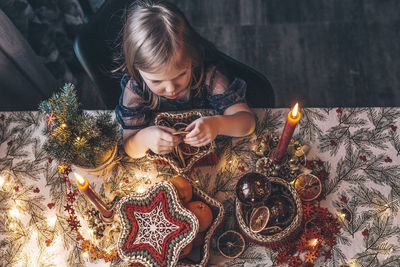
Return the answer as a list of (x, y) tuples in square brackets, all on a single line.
[(89, 249)]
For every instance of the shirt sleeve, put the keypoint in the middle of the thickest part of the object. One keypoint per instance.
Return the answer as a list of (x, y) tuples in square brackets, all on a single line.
[(132, 111), (224, 92)]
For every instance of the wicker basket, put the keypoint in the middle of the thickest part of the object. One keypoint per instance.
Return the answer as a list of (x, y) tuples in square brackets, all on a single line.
[(218, 215), (175, 225), (283, 235), (169, 120)]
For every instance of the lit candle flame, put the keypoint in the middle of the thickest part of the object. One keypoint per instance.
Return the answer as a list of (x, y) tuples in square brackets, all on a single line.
[(295, 110), (79, 178)]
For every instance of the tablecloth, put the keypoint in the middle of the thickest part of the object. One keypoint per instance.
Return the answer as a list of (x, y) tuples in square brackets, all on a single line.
[(359, 148)]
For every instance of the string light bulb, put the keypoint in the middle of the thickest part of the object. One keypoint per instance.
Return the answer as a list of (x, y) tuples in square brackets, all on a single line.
[(140, 189), (14, 212), (2, 181), (313, 242), (52, 221)]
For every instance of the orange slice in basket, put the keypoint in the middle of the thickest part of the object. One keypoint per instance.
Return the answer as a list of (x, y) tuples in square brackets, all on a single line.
[(258, 219), (231, 244), (308, 186)]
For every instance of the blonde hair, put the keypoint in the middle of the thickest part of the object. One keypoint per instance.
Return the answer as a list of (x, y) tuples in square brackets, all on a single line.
[(156, 33)]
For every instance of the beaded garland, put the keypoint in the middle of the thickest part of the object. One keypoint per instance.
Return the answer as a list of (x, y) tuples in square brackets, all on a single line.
[(155, 226)]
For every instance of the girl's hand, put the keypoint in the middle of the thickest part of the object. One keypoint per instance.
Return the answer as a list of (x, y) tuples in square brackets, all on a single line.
[(202, 131), (160, 140)]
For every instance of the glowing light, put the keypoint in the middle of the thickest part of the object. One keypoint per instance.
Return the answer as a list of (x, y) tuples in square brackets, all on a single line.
[(85, 254), (140, 189), (52, 221), (295, 110), (19, 202), (79, 178), (2, 180), (78, 138), (35, 234), (14, 212), (11, 225), (313, 242), (64, 125)]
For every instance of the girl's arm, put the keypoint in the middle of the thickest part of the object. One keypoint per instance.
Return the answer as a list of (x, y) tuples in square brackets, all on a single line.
[(159, 139), (238, 120)]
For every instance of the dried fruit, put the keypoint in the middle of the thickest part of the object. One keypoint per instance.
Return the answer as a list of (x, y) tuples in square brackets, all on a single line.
[(308, 187), (259, 218), (231, 244)]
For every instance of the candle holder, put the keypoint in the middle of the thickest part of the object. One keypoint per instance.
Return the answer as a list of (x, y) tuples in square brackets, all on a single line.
[(292, 164), (106, 214)]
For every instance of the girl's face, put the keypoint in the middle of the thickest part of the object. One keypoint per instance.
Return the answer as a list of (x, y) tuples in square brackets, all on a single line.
[(172, 82)]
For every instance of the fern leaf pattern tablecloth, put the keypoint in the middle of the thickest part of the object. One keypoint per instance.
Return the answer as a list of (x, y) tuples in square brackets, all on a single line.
[(360, 149)]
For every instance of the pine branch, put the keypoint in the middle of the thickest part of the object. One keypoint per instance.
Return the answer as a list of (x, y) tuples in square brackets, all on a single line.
[(269, 123), (392, 261), (74, 136), (346, 170), (379, 172), (308, 128)]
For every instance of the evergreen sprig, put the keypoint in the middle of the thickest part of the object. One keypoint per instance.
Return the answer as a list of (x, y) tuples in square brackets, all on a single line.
[(75, 136)]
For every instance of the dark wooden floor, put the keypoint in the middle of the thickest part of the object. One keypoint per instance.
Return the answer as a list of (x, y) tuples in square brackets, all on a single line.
[(320, 52)]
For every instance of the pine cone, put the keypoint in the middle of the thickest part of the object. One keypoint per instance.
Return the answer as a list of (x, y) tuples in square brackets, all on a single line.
[(265, 166)]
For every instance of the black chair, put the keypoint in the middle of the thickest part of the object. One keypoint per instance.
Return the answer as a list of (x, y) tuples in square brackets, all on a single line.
[(96, 42)]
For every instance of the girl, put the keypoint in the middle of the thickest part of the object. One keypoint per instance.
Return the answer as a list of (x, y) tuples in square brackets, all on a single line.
[(170, 67)]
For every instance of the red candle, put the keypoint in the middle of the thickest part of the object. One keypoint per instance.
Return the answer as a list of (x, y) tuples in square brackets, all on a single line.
[(291, 122), (86, 189)]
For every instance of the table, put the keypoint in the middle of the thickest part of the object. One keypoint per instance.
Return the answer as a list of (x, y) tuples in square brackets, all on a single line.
[(359, 146)]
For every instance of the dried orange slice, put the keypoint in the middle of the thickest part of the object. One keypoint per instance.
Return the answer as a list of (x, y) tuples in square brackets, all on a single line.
[(258, 219), (308, 186), (231, 244)]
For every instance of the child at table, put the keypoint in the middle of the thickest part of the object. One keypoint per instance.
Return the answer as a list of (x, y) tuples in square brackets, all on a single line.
[(169, 68)]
